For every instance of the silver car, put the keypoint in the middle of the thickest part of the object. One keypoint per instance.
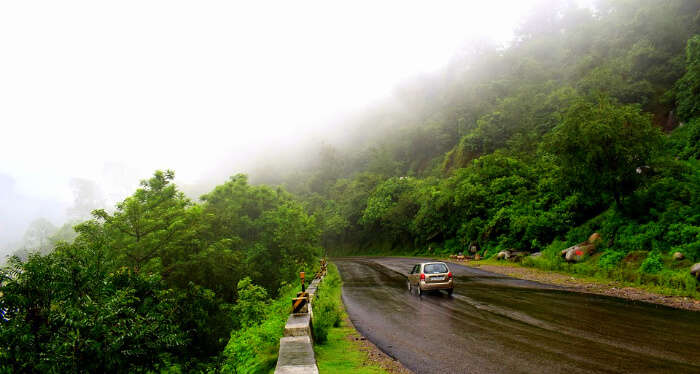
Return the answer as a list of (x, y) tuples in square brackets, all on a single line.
[(430, 276)]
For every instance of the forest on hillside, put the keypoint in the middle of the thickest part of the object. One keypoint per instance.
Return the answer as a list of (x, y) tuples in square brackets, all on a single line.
[(588, 122)]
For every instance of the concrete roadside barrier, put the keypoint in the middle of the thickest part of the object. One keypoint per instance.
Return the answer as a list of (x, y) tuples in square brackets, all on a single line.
[(296, 354), (298, 325)]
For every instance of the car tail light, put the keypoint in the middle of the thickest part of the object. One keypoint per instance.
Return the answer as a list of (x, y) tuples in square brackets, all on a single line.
[(449, 275), (422, 276)]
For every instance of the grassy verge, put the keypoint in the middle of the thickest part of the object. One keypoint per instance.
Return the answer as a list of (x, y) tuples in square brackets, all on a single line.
[(338, 351), (342, 354), (632, 269)]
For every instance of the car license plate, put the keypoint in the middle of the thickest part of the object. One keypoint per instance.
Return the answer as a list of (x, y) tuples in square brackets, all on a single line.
[(436, 278)]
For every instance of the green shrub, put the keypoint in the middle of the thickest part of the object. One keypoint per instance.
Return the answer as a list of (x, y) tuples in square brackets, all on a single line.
[(553, 250), (610, 259), (326, 305), (685, 140), (254, 349), (550, 258), (252, 303), (652, 264)]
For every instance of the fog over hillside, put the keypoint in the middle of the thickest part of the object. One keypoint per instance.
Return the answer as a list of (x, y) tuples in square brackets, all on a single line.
[(108, 93)]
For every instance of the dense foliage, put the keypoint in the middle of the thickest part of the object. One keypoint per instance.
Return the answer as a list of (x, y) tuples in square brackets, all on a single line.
[(253, 348), (588, 122), (157, 284), (327, 310)]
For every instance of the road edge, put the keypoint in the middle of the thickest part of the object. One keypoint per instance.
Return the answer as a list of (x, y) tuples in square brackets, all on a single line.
[(586, 285), (372, 356)]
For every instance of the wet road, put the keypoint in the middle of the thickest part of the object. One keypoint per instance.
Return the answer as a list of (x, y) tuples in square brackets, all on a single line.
[(496, 324)]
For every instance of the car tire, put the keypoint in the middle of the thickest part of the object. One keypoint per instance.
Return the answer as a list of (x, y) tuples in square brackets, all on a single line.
[(408, 283), (419, 291), (450, 291)]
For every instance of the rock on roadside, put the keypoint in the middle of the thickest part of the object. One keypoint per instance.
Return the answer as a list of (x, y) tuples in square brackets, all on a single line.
[(577, 252), (695, 270)]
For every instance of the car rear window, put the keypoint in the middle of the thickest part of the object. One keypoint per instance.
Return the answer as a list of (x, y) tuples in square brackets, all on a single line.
[(434, 268)]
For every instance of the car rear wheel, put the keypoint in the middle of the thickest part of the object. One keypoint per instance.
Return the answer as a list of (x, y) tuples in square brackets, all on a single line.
[(450, 291), (419, 291), (408, 284)]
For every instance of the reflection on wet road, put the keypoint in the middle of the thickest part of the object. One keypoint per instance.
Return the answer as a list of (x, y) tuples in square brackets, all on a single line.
[(499, 324)]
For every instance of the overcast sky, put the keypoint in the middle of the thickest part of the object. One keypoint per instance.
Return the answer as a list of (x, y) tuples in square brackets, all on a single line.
[(110, 91)]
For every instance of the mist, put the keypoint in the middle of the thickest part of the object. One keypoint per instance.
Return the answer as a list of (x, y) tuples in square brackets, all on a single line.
[(96, 96), (172, 173)]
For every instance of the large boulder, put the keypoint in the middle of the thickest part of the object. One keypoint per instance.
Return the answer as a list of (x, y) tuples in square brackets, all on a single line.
[(695, 270), (678, 256), (577, 252)]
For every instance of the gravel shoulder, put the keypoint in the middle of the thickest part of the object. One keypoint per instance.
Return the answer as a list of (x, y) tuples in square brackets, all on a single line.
[(586, 285)]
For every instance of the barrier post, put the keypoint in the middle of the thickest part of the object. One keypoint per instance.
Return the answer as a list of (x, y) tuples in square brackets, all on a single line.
[(300, 304)]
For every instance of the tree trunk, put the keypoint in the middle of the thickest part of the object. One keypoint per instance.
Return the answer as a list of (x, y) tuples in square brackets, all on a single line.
[(618, 199)]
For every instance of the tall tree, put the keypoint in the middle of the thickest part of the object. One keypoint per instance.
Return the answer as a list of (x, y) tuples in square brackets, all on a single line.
[(605, 147), (150, 223), (688, 87), (37, 238)]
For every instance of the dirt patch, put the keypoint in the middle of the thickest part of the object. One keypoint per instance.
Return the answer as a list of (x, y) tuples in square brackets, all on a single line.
[(374, 355), (634, 259), (609, 288)]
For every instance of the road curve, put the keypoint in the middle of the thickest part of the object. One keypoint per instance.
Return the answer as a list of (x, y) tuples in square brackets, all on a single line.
[(497, 324)]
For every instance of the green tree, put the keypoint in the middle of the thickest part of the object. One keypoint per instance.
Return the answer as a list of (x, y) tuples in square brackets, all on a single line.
[(265, 227), (251, 305), (688, 87), (37, 238), (604, 147), (151, 223), (65, 313)]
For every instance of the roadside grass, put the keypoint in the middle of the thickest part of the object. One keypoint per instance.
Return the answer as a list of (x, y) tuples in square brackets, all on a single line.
[(340, 354), (338, 351), (666, 281)]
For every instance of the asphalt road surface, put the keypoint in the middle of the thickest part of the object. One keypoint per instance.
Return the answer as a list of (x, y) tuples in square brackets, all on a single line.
[(497, 324)]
